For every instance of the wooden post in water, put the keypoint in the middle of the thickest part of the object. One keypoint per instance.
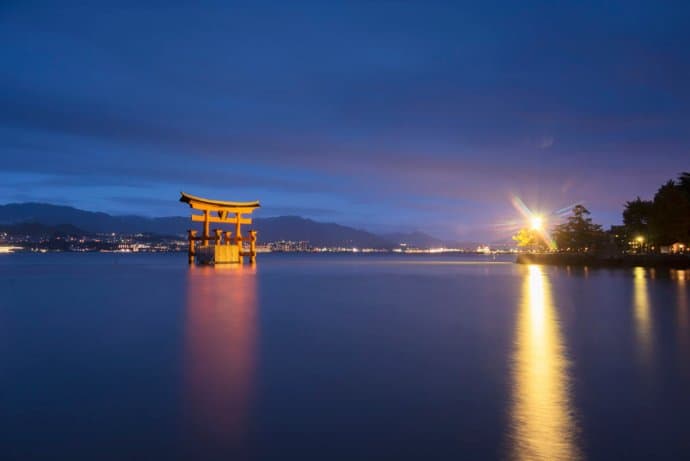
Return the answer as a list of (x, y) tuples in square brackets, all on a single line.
[(238, 234), (252, 246), (192, 245), (227, 237), (218, 233)]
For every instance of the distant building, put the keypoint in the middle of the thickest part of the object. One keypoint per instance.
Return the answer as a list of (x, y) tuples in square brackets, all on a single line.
[(676, 248), (286, 246)]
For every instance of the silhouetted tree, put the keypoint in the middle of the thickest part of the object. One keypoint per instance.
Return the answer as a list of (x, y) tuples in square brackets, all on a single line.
[(579, 233), (664, 220), (670, 217), (636, 217), (684, 183)]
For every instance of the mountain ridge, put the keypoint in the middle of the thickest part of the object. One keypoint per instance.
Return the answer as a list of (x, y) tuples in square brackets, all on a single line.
[(294, 228)]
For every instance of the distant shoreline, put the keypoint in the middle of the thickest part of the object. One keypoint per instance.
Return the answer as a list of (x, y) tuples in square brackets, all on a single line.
[(576, 259)]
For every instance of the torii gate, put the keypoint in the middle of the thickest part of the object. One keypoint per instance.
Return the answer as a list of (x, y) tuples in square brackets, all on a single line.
[(217, 211)]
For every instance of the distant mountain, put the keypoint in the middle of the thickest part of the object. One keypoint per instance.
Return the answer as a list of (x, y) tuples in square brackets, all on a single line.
[(89, 221), (317, 233), (417, 240), (270, 229), (36, 229)]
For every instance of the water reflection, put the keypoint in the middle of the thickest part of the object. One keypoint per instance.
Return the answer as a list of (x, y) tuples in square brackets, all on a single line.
[(643, 322), (543, 426), (220, 351), (681, 277)]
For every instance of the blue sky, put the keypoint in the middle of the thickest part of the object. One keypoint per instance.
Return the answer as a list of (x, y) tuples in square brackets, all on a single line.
[(382, 115)]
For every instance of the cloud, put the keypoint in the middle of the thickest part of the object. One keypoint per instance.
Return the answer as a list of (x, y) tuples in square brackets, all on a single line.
[(376, 114)]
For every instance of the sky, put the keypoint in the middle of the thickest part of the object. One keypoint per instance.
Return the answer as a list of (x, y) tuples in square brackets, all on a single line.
[(388, 116)]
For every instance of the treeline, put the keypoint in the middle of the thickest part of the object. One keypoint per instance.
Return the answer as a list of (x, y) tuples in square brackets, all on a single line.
[(660, 224), (662, 221)]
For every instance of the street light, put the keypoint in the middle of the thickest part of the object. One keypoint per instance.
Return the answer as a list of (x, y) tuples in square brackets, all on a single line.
[(537, 222)]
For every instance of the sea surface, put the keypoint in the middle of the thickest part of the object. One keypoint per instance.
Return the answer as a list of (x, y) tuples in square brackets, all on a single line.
[(329, 357)]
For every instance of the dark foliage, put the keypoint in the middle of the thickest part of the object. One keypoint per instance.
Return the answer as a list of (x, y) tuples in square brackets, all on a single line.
[(665, 220), (579, 234)]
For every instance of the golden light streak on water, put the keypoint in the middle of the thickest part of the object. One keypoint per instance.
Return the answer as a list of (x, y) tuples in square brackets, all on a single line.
[(542, 423), (642, 314)]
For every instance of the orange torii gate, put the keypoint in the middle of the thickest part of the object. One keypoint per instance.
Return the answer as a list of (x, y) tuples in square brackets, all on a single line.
[(216, 211)]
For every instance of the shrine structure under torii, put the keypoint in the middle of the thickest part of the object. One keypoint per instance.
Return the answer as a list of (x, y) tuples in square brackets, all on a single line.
[(222, 246)]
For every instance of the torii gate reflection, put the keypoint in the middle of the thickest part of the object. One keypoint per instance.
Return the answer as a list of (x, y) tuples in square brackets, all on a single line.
[(220, 353)]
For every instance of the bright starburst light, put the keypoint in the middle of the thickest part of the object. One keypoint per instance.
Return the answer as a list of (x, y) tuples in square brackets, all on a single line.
[(536, 221)]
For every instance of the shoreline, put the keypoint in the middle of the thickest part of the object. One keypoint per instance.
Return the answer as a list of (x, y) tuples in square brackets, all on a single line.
[(624, 261)]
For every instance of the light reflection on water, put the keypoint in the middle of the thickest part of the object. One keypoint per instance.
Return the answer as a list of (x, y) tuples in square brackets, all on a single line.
[(542, 421), (220, 346), (681, 278), (642, 308), (350, 358)]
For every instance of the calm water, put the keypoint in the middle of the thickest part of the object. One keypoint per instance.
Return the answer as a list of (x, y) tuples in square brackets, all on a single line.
[(340, 357)]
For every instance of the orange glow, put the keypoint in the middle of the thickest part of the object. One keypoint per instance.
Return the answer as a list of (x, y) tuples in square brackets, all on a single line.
[(220, 351)]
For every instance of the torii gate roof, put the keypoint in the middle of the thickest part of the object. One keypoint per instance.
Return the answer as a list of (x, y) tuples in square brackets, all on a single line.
[(205, 203)]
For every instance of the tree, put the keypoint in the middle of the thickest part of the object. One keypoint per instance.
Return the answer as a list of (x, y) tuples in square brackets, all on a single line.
[(529, 239), (670, 216), (636, 217), (664, 220), (579, 233), (684, 184)]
